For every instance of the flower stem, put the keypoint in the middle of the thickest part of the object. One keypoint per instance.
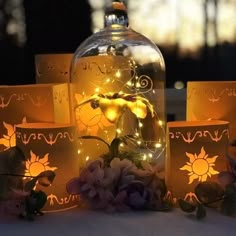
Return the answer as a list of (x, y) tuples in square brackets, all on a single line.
[(17, 175)]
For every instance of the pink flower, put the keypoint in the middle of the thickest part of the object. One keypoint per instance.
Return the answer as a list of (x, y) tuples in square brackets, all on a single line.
[(94, 184)]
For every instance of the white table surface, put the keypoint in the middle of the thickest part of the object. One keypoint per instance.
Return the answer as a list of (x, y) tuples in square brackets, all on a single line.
[(78, 222)]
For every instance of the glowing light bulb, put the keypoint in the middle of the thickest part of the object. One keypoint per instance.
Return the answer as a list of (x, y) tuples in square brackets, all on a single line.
[(140, 125), (137, 134), (118, 131), (118, 74), (150, 155), (78, 151), (87, 158), (138, 85), (129, 83), (97, 90), (160, 122), (122, 145), (139, 142), (144, 157), (108, 80), (158, 145)]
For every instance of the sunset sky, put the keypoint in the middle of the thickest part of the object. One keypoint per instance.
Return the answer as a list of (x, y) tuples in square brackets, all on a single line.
[(168, 22)]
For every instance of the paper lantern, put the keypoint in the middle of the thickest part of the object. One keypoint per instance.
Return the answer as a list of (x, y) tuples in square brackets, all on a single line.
[(196, 153), (213, 100), (53, 68), (49, 146), (31, 103)]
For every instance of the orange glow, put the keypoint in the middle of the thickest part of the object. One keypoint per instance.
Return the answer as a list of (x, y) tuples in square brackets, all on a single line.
[(200, 166), (111, 115), (35, 165)]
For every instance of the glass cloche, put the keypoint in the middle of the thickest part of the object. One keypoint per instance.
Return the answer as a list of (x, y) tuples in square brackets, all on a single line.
[(118, 88)]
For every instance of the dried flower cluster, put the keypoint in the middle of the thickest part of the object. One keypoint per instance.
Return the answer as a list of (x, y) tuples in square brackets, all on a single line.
[(120, 186)]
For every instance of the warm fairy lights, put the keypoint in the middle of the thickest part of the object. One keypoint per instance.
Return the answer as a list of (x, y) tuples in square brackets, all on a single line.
[(122, 145), (144, 157), (97, 90), (118, 131), (129, 84), (114, 108), (118, 74), (158, 145), (108, 80), (150, 155), (140, 125), (108, 107)]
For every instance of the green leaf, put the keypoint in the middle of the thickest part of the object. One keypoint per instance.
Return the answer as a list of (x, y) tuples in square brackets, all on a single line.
[(45, 179), (201, 212), (186, 206), (114, 148), (209, 193), (30, 185), (94, 137)]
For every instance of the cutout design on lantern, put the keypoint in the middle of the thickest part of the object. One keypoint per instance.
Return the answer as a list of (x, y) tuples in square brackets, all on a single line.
[(50, 146), (53, 199), (199, 166), (196, 153), (191, 197), (4, 103), (52, 68), (9, 138), (37, 101), (35, 165), (212, 100), (213, 95)]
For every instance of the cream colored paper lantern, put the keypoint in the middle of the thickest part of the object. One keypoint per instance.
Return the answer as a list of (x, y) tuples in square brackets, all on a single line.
[(49, 146), (196, 153), (213, 100), (31, 103)]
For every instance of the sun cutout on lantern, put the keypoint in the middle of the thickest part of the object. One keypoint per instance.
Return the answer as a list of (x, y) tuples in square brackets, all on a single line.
[(88, 118), (200, 166), (35, 165), (9, 139)]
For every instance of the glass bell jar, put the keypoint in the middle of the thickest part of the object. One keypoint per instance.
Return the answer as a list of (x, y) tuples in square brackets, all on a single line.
[(118, 93)]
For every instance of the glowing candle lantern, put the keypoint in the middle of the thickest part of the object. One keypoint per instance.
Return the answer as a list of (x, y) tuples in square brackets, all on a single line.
[(196, 153), (50, 146), (31, 103), (118, 82), (213, 100), (53, 68)]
